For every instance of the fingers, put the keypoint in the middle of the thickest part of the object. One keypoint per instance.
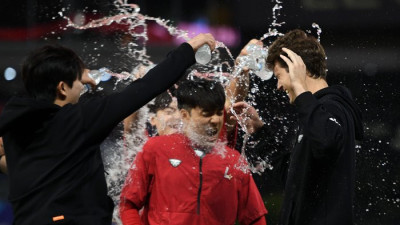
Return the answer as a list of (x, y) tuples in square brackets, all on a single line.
[(252, 41), (86, 79), (294, 61), (240, 105), (245, 70), (92, 83), (293, 57), (255, 41), (287, 60), (245, 110), (202, 39), (297, 71), (141, 72), (210, 41)]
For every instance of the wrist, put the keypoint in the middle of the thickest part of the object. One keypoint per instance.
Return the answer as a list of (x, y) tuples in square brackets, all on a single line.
[(256, 126), (195, 44)]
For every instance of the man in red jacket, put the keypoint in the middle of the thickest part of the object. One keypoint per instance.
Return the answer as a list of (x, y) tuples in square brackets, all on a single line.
[(191, 177)]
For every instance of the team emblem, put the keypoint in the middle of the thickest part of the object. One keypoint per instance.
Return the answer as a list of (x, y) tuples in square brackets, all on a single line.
[(175, 162)]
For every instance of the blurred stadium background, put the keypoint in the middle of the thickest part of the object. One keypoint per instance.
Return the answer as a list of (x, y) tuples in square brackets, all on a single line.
[(361, 38)]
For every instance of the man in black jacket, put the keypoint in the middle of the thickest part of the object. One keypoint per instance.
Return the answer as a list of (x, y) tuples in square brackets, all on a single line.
[(318, 174), (52, 141)]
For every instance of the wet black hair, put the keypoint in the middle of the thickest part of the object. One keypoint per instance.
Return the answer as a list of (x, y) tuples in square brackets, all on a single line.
[(206, 94), (45, 67), (161, 102)]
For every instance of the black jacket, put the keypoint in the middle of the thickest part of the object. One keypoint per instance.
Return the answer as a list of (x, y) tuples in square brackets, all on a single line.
[(319, 172), (53, 155)]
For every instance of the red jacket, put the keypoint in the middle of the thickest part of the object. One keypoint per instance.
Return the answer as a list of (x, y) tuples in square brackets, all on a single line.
[(176, 186)]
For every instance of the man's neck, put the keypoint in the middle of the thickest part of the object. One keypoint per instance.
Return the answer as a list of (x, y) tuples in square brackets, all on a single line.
[(59, 102), (314, 85)]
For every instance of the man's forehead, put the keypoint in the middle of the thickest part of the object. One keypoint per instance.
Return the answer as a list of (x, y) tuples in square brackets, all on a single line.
[(200, 110), (168, 108), (278, 66)]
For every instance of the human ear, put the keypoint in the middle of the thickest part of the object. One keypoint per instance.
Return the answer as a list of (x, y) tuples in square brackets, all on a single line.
[(61, 90), (153, 121), (184, 114), (310, 75)]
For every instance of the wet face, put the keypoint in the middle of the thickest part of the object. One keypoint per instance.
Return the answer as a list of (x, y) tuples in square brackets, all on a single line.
[(167, 121), (202, 127), (284, 83)]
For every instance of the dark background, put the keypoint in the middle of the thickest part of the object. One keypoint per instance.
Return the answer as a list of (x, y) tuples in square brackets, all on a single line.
[(361, 39)]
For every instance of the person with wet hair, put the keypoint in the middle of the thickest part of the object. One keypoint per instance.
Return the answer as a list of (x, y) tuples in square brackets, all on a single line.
[(192, 177), (318, 174), (52, 141), (164, 114)]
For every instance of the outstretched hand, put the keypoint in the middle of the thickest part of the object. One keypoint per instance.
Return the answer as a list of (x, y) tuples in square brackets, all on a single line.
[(297, 71), (247, 116), (202, 39), (244, 52)]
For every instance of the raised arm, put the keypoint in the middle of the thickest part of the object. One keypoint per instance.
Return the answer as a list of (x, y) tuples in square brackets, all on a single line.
[(267, 147), (323, 121), (102, 115), (238, 87)]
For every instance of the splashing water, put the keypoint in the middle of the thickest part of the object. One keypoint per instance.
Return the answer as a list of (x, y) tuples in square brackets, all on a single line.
[(319, 30), (117, 164), (120, 153), (219, 44), (272, 31)]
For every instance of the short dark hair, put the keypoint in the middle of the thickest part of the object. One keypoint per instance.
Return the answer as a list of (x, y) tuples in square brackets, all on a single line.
[(45, 67), (306, 46), (206, 94), (161, 102)]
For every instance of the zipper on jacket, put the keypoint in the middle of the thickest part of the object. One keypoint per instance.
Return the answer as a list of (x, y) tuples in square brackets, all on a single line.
[(201, 183)]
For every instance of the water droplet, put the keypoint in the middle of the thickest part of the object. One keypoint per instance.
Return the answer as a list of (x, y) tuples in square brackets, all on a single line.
[(10, 73)]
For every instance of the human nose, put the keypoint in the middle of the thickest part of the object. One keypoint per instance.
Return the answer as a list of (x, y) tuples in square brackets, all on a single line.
[(278, 85), (214, 119), (176, 115)]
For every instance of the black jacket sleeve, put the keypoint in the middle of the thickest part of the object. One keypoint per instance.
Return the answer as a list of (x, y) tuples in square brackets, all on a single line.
[(102, 114), (323, 124)]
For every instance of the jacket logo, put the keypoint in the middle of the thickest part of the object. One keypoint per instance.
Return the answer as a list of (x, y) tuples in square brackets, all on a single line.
[(299, 138), (175, 162), (334, 120), (226, 175)]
